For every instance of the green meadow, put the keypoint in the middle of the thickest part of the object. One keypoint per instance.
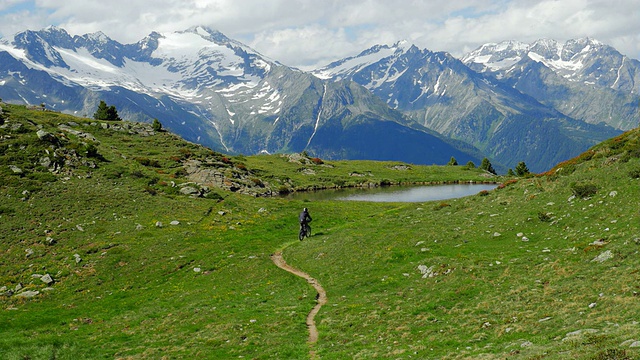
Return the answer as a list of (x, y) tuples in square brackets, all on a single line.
[(543, 267)]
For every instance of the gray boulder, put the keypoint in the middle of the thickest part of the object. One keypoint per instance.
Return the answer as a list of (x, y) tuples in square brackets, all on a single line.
[(47, 279), (15, 169), (27, 294)]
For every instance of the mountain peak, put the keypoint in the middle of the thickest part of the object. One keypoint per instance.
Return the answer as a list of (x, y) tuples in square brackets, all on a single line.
[(98, 37), (209, 34)]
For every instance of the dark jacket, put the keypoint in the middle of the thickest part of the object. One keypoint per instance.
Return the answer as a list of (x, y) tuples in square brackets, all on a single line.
[(304, 217)]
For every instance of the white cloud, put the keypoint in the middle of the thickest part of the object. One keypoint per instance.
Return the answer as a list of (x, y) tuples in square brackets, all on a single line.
[(305, 33)]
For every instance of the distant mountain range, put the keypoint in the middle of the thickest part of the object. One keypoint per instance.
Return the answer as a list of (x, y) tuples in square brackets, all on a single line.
[(510, 102), (217, 92)]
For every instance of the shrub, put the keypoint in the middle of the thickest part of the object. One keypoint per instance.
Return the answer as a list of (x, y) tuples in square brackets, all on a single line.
[(283, 189), (483, 193), (441, 206), (42, 176), (148, 162), (91, 151), (137, 174), (214, 196), (584, 190), (257, 182), (544, 217), (635, 173), (182, 172), (317, 161), (6, 210)]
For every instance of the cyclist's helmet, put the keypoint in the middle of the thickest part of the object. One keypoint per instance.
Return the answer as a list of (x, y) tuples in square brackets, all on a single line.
[(305, 210)]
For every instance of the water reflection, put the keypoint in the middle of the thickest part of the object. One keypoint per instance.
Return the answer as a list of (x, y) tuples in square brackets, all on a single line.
[(396, 193)]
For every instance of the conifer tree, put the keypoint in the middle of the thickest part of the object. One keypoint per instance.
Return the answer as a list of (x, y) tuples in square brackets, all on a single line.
[(157, 126), (486, 165), (522, 169), (453, 161), (105, 112)]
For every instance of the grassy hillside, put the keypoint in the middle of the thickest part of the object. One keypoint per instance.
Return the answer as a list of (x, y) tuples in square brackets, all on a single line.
[(528, 270)]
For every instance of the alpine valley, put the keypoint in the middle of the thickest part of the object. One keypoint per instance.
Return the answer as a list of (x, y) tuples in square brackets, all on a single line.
[(541, 103)]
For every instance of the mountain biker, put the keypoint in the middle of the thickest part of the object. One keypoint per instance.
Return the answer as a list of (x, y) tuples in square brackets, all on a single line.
[(304, 218)]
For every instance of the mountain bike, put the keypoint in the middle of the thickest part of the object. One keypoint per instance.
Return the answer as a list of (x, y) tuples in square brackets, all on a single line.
[(305, 230)]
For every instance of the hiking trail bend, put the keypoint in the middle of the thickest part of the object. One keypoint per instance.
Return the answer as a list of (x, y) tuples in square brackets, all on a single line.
[(321, 298)]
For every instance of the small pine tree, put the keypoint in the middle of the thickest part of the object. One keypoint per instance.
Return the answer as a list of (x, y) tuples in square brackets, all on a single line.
[(471, 165), (486, 165), (157, 126), (453, 161), (511, 173), (522, 169), (105, 112)]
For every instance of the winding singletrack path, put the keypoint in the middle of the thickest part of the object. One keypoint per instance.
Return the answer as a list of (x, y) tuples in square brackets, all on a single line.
[(321, 298)]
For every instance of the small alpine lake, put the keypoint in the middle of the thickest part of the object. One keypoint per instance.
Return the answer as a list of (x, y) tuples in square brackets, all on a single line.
[(414, 193)]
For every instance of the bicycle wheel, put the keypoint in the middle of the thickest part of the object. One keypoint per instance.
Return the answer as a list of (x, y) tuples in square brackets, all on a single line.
[(302, 233)]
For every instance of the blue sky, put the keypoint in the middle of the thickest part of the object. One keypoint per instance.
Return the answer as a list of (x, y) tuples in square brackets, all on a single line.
[(308, 33)]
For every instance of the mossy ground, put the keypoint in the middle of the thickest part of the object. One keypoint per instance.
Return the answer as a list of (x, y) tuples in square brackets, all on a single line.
[(206, 288)]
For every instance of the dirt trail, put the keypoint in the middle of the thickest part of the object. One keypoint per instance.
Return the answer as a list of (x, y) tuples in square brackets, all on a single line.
[(321, 298)]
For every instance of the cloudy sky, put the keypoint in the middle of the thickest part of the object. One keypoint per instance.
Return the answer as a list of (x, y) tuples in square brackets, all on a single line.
[(306, 33)]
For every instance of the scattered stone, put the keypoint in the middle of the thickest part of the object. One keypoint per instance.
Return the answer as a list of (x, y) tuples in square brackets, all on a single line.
[(139, 227), (45, 136), (36, 276), (50, 241), (427, 272), (221, 213), (574, 334), (79, 227), (197, 269), (613, 193), (47, 279), (158, 224), (189, 190), (28, 252), (635, 344), (27, 294), (175, 222), (526, 344), (592, 305), (48, 289), (18, 287), (519, 234), (607, 255), (545, 319), (599, 242), (15, 169), (524, 238), (571, 198), (78, 258), (261, 210), (496, 234)]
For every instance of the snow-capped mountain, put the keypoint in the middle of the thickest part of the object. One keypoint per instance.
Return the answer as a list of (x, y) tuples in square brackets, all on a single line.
[(213, 90), (442, 93), (583, 78)]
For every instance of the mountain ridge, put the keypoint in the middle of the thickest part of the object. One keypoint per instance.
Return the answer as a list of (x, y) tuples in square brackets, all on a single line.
[(221, 93), (442, 93)]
